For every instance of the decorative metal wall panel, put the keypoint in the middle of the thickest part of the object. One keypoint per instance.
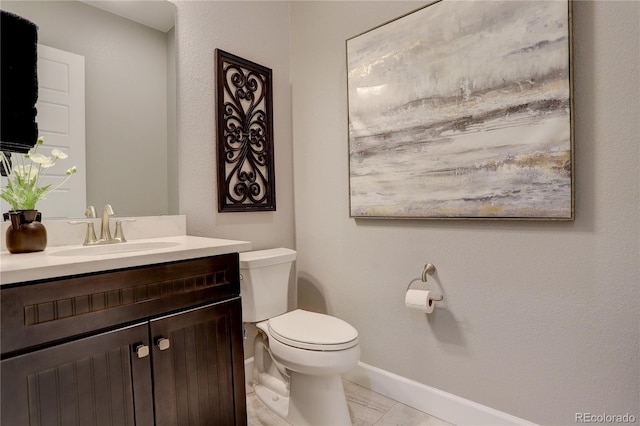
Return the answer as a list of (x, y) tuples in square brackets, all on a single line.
[(246, 176)]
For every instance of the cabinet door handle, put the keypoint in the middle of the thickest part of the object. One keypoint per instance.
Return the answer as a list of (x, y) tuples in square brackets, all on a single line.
[(141, 350), (162, 343)]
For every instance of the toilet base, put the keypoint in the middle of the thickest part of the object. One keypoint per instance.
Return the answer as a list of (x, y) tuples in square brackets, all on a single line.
[(317, 400), (313, 401), (275, 402)]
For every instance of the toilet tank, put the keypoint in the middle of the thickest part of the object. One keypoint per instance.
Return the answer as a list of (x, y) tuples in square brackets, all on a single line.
[(264, 283)]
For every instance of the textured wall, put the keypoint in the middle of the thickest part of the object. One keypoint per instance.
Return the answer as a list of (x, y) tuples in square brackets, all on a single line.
[(542, 318), (259, 32)]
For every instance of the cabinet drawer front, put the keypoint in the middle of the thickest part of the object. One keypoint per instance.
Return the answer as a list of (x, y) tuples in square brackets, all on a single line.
[(43, 312)]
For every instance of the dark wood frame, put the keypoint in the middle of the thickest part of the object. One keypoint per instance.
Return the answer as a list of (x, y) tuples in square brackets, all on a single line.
[(244, 113)]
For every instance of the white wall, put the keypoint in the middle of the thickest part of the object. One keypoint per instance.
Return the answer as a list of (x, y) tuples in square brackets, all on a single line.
[(257, 31), (542, 319)]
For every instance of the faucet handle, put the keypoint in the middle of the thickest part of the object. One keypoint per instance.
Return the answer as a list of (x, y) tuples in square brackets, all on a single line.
[(90, 236), (90, 212), (119, 233)]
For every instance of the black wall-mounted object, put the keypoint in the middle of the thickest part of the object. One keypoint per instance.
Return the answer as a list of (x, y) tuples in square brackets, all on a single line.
[(19, 90), (246, 176)]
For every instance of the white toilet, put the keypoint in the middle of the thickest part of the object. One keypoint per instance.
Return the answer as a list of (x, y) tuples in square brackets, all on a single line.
[(298, 355)]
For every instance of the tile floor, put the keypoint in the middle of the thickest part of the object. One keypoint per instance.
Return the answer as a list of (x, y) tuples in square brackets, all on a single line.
[(366, 407)]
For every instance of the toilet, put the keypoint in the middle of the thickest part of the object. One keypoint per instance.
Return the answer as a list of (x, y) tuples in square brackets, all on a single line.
[(298, 355)]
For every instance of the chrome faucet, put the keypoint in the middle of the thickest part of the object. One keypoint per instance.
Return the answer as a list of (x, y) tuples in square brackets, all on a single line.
[(105, 229)]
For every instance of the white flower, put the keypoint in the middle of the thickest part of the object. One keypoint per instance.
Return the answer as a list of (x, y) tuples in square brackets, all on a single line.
[(27, 173), (41, 159), (23, 188), (58, 154)]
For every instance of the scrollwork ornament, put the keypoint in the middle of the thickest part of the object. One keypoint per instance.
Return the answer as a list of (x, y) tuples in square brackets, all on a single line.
[(245, 135)]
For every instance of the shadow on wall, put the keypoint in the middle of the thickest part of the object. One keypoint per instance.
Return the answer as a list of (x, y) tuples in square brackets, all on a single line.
[(250, 331), (447, 329), (310, 294)]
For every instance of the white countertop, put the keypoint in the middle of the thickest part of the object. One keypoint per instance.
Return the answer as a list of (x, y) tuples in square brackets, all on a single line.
[(16, 268)]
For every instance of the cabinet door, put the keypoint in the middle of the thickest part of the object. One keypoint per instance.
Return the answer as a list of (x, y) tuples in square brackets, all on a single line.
[(198, 367), (86, 382)]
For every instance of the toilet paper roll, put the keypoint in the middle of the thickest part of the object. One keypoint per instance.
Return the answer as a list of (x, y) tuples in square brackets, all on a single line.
[(419, 300)]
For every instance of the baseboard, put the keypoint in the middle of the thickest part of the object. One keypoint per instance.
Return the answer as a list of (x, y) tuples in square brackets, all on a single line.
[(446, 406)]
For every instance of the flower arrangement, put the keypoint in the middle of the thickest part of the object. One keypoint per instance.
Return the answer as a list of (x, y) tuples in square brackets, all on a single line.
[(24, 187)]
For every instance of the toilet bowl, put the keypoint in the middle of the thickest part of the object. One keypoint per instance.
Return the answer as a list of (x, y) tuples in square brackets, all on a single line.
[(298, 355), (312, 351)]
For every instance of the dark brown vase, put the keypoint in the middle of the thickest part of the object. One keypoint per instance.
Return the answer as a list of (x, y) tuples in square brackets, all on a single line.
[(25, 234)]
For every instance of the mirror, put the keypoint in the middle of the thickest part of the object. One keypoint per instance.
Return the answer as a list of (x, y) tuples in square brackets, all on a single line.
[(129, 96)]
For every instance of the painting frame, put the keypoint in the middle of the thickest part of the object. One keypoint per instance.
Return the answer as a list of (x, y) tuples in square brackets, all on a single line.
[(440, 127), (245, 142)]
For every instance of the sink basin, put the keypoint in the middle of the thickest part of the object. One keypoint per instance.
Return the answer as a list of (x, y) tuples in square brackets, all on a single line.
[(114, 248)]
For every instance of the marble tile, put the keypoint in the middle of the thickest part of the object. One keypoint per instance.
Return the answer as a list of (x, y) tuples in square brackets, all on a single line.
[(402, 415), (367, 408)]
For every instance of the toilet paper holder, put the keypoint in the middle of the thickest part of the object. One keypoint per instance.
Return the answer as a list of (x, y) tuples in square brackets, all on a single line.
[(429, 269)]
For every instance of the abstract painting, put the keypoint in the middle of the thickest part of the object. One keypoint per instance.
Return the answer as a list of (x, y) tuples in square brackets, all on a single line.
[(463, 110)]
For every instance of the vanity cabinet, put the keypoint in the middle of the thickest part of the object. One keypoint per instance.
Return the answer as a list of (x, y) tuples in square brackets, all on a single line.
[(154, 345)]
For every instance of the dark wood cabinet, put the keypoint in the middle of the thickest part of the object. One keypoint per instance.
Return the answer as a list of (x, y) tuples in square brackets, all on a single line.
[(193, 377), (89, 381), (159, 345)]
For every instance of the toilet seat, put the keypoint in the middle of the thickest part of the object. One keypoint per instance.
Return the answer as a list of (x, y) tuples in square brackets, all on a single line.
[(312, 331)]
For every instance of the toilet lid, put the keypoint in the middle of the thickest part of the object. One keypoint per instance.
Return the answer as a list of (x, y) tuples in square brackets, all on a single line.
[(310, 330)]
